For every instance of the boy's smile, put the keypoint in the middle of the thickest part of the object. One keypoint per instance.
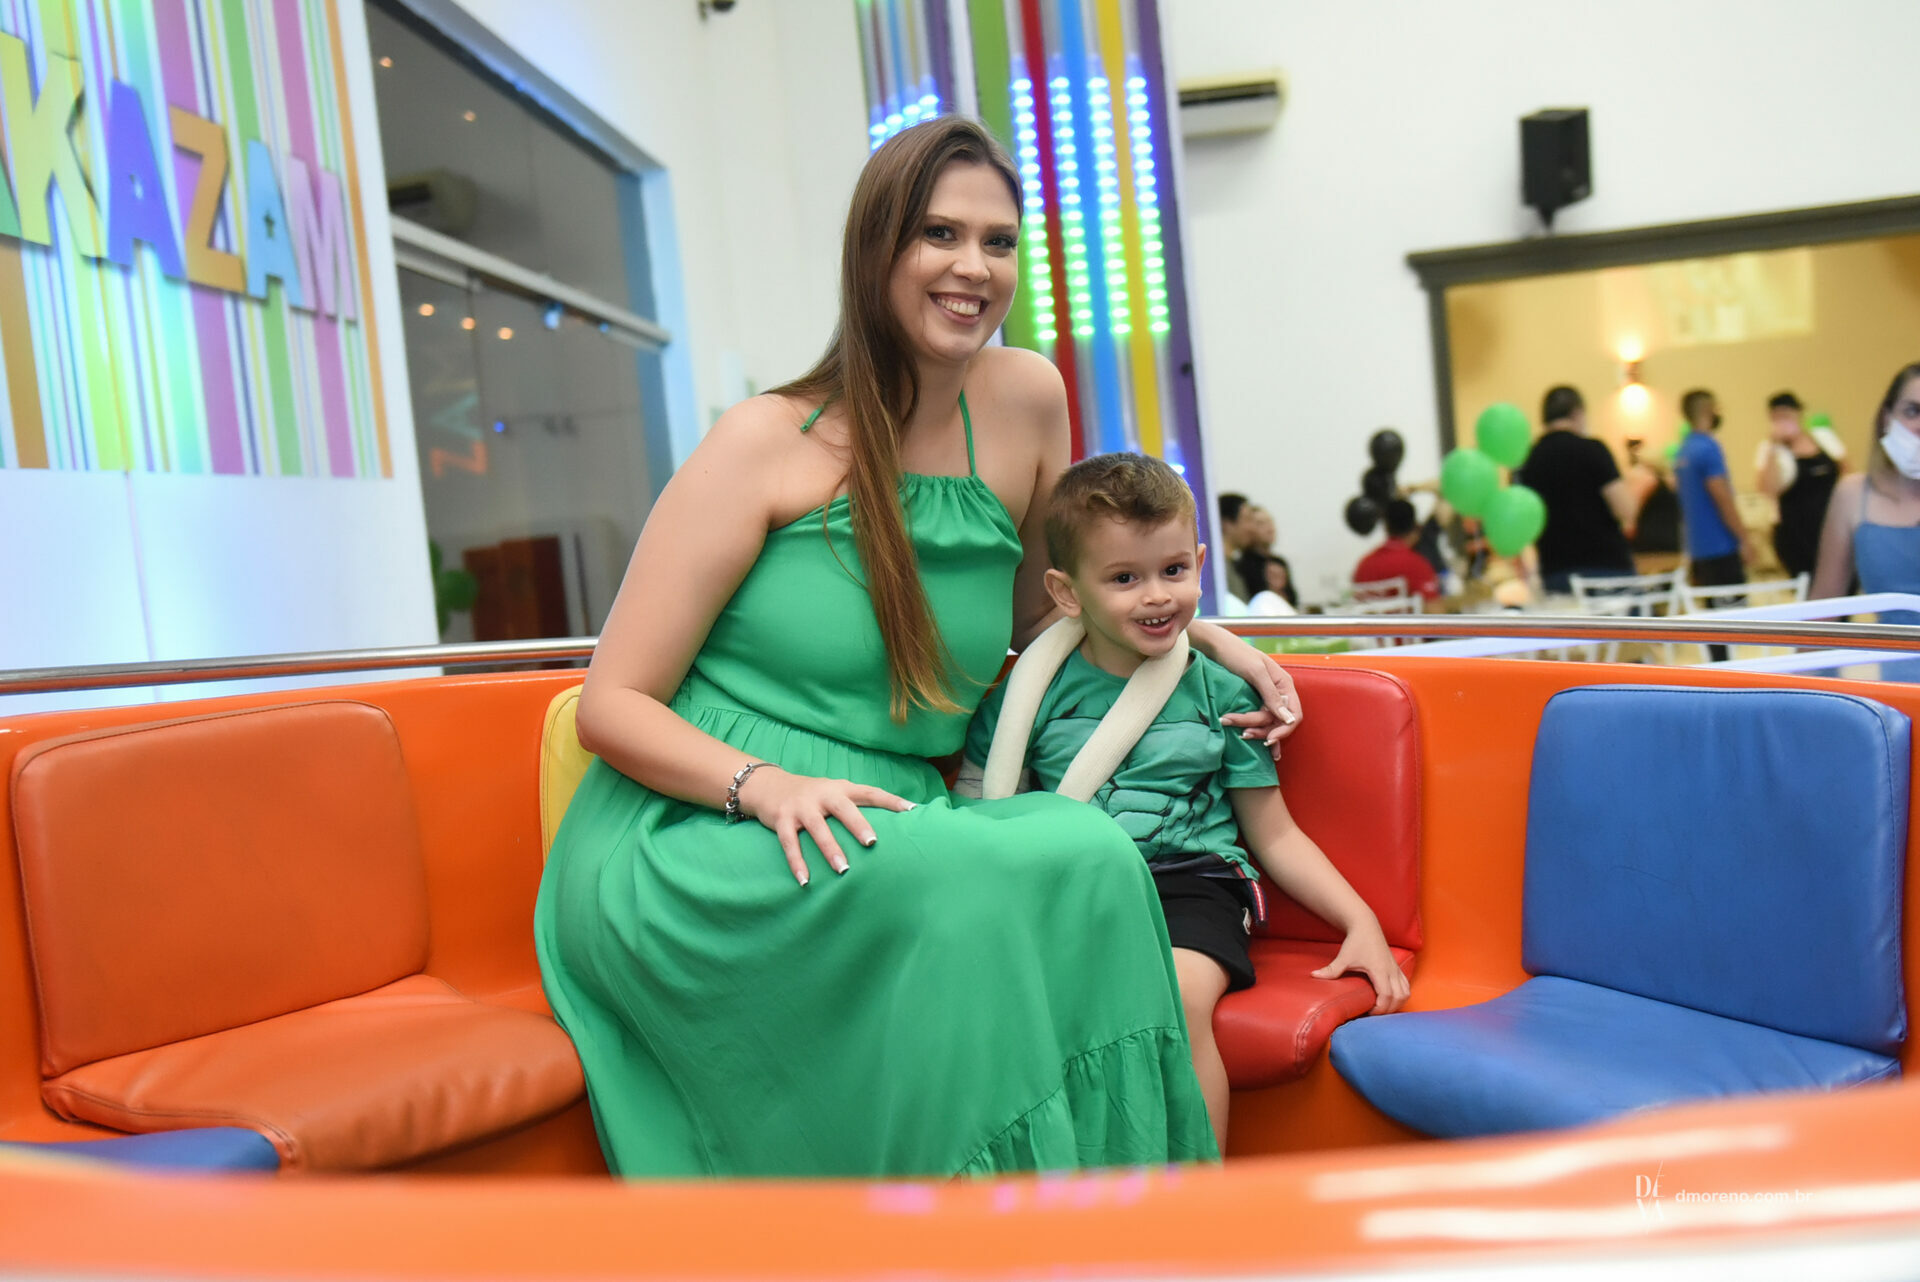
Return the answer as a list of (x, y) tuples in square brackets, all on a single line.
[(1136, 588)]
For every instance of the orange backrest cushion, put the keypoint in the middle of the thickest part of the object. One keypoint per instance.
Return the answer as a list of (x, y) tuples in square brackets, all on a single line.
[(183, 877), (1351, 777)]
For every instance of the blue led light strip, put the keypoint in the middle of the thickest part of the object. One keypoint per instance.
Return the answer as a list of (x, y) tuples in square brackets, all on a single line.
[(1107, 182)]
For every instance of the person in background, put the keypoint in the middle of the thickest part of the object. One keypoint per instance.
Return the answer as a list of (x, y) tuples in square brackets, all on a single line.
[(1260, 531), (1873, 523), (1589, 508), (1235, 536), (1798, 467), (1276, 595), (1656, 522), (1717, 544), (1396, 559)]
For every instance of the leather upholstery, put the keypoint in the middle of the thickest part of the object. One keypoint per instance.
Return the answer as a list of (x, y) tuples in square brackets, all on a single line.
[(1712, 907), (563, 763), (227, 917), (1276, 1030), (362, 1083), (182, 877), (1351, 777), (1737, 851), (1557, 1052)]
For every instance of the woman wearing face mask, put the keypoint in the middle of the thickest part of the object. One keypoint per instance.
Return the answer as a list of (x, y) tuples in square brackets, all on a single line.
[(1873, 522)]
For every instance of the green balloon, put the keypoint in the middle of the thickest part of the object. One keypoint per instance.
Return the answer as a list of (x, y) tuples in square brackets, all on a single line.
[(1503, 434), (1468, 480), (1514, 519)]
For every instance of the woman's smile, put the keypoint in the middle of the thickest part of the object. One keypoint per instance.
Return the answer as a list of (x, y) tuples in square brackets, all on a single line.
[(963, 308)]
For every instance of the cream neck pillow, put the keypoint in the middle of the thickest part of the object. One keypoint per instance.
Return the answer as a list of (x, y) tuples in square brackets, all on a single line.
[(1148, 690)]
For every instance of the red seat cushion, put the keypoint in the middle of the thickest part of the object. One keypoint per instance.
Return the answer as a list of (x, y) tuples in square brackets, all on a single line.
[(1351, 776), (404, 1072), (1274, 1031)]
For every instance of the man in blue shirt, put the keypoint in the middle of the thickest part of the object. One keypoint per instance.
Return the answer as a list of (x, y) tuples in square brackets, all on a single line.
[(1717, 543)]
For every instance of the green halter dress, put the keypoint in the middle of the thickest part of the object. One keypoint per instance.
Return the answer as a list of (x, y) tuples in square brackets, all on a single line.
[(988, 989)]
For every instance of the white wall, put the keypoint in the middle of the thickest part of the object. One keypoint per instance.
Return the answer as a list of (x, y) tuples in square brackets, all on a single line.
[(1399, 135), (760, 119)]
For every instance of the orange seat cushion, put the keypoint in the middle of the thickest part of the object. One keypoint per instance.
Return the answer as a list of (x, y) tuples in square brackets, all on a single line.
[(406, 1071), (1274, 1031), (183, 877)]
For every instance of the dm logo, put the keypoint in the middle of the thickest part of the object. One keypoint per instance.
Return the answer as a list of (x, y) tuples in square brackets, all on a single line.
[(1646, 1196)]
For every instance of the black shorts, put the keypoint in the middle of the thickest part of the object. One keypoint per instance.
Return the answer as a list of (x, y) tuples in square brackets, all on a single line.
[(1210, 916)]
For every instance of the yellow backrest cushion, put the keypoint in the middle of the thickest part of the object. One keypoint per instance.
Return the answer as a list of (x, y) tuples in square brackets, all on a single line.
[(563, 763)]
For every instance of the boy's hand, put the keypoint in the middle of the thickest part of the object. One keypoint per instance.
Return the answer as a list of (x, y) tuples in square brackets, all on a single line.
[(1366, 951), (1280, 711)]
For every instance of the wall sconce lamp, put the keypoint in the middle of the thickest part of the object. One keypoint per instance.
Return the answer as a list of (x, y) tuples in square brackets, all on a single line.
[(1634, 397)]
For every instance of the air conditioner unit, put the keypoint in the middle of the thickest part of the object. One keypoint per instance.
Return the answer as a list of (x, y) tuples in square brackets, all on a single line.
[(1242, 104)]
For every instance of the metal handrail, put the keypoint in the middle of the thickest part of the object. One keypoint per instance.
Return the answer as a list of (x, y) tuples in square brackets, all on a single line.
[(107, 676), (1581, 628)]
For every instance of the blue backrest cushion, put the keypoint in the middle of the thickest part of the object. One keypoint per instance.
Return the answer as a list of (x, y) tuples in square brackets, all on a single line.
[(1740, 852)]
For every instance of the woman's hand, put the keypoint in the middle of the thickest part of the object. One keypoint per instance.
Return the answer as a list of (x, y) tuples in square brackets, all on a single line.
[(790, 803), (1366, 951), (1280, 711)]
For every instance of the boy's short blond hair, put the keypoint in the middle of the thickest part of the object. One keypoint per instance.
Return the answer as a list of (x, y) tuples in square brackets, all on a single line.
[(1133, 488)]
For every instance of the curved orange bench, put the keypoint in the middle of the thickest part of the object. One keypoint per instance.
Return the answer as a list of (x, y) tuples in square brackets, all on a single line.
[(228, 923)]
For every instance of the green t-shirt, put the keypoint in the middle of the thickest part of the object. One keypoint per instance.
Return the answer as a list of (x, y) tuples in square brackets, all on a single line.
[(1170, 794)]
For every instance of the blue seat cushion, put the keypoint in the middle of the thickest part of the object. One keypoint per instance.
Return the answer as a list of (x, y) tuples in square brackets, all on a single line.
[(1740, 852), (207, 1148), (1557, 1052)]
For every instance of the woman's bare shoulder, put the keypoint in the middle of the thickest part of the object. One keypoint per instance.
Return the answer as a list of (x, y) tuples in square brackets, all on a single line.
[(1023, 378), (1019, 394), (750, 455), (758, 424)]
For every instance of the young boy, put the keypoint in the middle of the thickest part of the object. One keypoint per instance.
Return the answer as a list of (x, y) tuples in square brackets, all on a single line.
[(1126, 565)]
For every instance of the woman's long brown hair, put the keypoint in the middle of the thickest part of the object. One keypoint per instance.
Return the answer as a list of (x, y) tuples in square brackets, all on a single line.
[(868, 368)]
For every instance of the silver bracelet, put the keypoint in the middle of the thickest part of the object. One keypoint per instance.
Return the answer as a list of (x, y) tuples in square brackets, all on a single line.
[(732, 809)]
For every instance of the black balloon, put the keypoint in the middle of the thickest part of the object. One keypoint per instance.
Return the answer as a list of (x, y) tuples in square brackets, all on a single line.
[(1386, 448), (1377, 484), (1362, 515)]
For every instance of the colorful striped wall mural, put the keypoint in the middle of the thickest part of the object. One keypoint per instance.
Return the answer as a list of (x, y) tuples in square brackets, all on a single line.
[(1077, 91), (195, 298)]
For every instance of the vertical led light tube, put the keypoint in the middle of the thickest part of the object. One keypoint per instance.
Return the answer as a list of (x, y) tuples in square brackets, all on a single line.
[(1072, 216), (1036, 270), (1146, 191), (1107, 184)]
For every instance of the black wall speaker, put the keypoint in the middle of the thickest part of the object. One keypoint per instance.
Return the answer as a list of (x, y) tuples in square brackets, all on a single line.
[(1554, 168)]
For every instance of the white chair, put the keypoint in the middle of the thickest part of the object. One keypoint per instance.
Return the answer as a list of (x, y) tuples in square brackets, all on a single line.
[(1382, 596), (1736, 596), (1628, 596)]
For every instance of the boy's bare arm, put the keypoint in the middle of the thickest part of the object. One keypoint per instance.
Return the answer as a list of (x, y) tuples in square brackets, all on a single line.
[(1295, 863), (1302, 870)]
